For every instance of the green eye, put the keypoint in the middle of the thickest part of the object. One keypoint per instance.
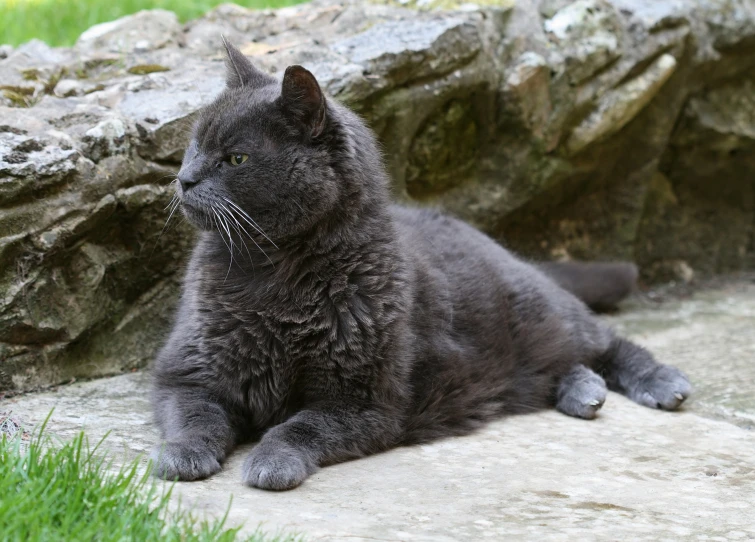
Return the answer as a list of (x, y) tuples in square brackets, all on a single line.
[(237, 159)]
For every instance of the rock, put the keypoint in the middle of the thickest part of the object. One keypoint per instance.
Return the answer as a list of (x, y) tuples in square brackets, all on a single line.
[(704, 174), (655, 15), (78, 252), (144, 31), (633, 473), (399, 52), (162, 108), (528, 84), (31, 71), (589, 129), (28, 164), (436, 160), (587, 33), (107, 138), (729, 25), (72, 87), (620, 105)]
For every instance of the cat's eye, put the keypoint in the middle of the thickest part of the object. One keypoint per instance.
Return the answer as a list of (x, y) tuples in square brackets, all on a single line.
[(237, 159)]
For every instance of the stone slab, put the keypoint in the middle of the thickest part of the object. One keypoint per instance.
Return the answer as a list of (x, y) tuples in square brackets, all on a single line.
[(711, 336), (586, 130)]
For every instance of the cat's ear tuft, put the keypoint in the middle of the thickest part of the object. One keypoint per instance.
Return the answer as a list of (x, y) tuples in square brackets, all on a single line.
[(302, 99), (240, 72)]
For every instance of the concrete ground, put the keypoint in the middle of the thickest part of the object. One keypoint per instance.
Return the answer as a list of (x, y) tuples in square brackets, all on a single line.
[(631, 474)]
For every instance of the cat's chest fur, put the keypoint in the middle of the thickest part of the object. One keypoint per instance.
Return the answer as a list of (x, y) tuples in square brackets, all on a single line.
[(276, 342), (258, 337)]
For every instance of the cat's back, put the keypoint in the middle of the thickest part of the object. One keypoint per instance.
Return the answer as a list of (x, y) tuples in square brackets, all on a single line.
[(448, 244), (481, 287)]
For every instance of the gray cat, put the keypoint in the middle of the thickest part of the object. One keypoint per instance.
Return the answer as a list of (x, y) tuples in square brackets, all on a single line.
[(343, 325)]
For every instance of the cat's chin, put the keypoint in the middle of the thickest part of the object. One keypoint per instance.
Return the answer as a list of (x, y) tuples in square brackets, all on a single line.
[(197, 216)]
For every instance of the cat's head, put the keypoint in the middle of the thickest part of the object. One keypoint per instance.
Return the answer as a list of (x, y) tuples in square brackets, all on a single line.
[(261, 157)]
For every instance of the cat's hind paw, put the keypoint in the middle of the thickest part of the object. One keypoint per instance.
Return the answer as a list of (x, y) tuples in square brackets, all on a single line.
[(581, 393), (665, 387)]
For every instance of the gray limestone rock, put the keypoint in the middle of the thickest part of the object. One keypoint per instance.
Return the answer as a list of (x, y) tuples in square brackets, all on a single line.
[(589, 129), (143, 31)]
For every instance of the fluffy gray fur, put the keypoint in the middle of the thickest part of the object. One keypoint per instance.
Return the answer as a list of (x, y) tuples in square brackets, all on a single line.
[(330, 324)]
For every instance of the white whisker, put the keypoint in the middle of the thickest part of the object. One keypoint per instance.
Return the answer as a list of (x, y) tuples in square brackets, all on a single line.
[(230, 240), (172, 205), (175, 203), (217, 227), (250, 237), (174, 175), (239, 228), (249, 220), (173, 200)]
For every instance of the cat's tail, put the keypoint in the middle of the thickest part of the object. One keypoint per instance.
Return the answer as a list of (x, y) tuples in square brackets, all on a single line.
[(600, 285)]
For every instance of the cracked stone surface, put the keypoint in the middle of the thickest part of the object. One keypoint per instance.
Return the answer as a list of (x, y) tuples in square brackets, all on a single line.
[(581, 130), (633, 473)]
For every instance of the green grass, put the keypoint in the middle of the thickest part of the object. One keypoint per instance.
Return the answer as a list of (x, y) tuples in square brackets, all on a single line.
[(50, 491), (60, 22)]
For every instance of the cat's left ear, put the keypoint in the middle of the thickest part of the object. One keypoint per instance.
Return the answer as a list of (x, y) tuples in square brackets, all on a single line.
[(240, 72), (302, 99)]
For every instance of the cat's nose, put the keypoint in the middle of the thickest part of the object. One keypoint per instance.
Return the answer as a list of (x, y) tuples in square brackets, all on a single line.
[(186, 182), (188, 178)]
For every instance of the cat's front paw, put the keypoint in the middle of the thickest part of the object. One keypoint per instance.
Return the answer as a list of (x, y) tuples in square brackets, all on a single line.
[(665, 387), (182, 461), (276, 466)]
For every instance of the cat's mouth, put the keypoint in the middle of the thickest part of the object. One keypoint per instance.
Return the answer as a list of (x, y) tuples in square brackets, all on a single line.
[(198, 212)]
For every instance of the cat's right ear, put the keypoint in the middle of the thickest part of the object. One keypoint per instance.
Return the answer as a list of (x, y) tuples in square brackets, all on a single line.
[(240, 72), (302, 99)]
